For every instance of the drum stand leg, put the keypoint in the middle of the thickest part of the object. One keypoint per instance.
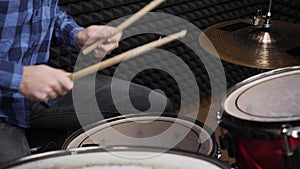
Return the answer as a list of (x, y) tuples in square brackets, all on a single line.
[(291, 158), (225, 143), (290, 154), (225, 139)]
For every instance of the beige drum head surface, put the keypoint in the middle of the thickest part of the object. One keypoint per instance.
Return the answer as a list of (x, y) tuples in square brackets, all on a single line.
[(125, 159), (147, 131), (271, 97)]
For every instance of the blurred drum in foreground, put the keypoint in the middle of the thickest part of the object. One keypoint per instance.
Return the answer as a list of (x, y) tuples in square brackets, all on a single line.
[(116, 158)]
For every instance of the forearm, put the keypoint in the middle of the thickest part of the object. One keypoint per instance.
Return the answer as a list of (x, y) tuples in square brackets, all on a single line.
[(65, 29)]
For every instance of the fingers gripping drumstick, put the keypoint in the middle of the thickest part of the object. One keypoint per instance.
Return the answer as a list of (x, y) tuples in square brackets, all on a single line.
[(125, 24), (127, 55)]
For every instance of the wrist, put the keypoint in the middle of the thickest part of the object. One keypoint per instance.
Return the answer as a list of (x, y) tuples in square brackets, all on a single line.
[(77, 38)]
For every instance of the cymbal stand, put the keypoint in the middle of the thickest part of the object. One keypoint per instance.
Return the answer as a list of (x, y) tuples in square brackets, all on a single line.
[(263, 21)]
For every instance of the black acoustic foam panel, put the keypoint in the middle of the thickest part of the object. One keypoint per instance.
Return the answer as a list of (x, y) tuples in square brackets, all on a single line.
[(201, 13)]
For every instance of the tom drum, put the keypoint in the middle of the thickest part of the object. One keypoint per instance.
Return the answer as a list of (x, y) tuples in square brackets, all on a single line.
[(262, 116)]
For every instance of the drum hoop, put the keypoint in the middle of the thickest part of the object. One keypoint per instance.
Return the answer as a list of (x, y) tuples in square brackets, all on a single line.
[(209, 131), (253, 79), (59, 153)]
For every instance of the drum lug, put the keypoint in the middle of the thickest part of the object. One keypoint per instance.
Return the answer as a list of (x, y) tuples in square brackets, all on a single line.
[(290, 154), (218, 153), (219, 117), (294, 132)]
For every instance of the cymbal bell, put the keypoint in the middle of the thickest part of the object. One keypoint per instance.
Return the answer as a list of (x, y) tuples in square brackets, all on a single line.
[(239, 42)]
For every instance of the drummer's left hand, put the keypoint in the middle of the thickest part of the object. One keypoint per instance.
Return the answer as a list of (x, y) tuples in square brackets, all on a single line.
[(89, 35)]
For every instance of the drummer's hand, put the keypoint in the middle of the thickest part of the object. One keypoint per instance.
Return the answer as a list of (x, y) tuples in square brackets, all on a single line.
[(42, 82), (87, 36)]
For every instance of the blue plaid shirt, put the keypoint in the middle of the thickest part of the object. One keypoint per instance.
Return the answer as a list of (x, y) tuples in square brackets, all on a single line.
[(26, 29)]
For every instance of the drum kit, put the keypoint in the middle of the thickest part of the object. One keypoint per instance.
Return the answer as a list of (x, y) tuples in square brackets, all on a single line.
[(259, 120)]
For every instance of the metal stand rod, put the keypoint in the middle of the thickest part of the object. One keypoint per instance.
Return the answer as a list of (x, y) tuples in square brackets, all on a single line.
[(270, 6), (267, 24)]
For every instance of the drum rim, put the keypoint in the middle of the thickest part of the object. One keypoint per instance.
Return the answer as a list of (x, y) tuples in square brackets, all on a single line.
[(250, 80), (82, 150), (172, 115)]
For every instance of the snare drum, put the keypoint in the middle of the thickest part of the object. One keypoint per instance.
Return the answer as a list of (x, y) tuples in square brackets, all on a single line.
[(168, 131), (262, 116), (116, 158)]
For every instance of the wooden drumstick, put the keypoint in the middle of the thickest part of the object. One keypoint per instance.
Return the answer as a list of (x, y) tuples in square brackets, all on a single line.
[(125, 24), (127, 55)]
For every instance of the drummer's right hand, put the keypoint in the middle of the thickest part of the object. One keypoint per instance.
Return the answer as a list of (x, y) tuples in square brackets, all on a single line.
[(42, 82)]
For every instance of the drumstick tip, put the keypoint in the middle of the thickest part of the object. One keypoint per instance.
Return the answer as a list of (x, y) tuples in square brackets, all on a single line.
[(184, 32), (181, 33)]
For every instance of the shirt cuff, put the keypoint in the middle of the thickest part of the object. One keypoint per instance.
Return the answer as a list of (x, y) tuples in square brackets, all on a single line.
[(72, 34)]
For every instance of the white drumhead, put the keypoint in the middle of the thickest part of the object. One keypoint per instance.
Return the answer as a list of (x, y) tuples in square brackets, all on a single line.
[(147, 131), (125, 159), (270, 97)]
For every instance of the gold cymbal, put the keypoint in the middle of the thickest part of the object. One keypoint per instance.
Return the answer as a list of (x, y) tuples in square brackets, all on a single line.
[(239, 42)]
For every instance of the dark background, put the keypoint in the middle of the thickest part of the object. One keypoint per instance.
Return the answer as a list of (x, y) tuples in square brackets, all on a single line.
[(202, 13)]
